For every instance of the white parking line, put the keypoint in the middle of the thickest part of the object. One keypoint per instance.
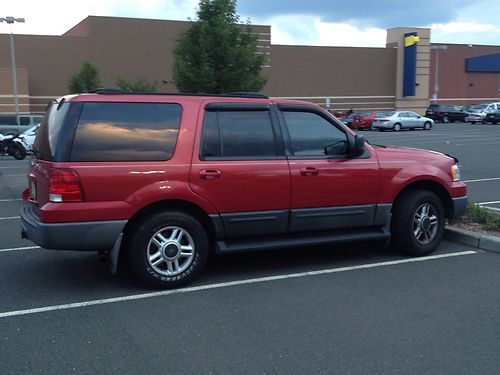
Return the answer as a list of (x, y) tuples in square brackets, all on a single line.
[(10, 200), (10, 217), (225, 285), (19, 248), (482, 180)]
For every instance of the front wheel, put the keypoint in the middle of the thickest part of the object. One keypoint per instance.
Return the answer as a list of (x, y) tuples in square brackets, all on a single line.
[(417, 223), (427, 125), (167, 249), (17, 151)]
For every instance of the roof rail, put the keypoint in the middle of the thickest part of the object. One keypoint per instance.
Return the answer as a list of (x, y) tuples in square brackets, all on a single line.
[(247, 94), (242, 94), (107, 90)]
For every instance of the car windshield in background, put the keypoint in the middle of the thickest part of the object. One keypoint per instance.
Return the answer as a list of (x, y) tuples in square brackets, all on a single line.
[(384, 114)]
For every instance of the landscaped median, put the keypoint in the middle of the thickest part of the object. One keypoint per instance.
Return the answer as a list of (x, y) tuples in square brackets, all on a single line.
[(478, 227)]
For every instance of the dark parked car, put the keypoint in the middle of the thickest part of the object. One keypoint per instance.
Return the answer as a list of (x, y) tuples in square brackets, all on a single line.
[(493, 117), (445, 113)]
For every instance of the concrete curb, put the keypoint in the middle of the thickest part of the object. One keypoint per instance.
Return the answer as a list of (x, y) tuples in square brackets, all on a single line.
[(473, 239)]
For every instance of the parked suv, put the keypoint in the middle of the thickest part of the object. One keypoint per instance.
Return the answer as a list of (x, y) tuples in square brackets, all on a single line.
[(445, 113), (161, 180)]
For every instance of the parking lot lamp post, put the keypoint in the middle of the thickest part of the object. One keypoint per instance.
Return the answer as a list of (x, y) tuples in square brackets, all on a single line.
[(436, 73), (10, 21)]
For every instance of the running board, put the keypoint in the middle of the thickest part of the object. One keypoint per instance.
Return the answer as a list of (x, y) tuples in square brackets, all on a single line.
[(301, 239)]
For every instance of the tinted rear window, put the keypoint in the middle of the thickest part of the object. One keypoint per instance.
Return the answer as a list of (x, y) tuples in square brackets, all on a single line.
[(48, 134), (384, 114), (126, 132)]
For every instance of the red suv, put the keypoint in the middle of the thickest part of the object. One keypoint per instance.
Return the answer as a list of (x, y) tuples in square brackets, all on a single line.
[(363, 120), (161, 180)]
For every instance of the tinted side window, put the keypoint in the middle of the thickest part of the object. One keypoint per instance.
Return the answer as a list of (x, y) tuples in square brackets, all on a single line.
[(48, 135), (310, 134), (126, 132), (23, 120), (240, 134)]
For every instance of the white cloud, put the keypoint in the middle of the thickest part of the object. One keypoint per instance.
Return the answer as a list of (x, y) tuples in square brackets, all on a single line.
[(54, 17), (342, 34), (465, 33)]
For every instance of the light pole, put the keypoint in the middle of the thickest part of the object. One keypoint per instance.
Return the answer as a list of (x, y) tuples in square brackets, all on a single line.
[(10, 21), (436, 73)]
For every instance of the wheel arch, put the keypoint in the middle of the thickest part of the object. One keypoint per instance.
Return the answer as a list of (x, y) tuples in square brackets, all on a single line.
[(187, 207), (432, 186)]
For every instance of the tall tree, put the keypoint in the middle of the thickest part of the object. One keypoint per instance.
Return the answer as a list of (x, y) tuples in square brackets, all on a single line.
[(87, 79), (216, 55)]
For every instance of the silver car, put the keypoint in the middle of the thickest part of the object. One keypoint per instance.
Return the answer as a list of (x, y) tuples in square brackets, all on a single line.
[(401, 120)]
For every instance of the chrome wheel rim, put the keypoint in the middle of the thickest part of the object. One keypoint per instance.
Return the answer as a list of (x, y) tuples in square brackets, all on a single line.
[(170, 251), (425, 223), (397, 127)]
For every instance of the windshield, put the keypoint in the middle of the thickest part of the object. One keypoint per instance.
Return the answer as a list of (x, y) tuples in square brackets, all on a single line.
[(384, 114)]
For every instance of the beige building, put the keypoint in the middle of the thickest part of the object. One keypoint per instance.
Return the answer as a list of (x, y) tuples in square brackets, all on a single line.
[(336, 77)]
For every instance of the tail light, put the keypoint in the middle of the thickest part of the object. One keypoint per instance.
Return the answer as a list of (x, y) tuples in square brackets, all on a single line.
[(64, 186)]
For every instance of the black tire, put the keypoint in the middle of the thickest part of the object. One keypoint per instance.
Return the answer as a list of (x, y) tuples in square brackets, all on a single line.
[(396, 127), (17, 151), (427, 125), (446, 119), (141, 243), (412, 231)]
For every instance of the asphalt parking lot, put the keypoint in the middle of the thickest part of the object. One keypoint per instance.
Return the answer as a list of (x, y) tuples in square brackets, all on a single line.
[(357, 309)]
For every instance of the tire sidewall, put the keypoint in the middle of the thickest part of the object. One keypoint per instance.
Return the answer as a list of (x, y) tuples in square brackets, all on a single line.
[(138, 249), (402, 222)]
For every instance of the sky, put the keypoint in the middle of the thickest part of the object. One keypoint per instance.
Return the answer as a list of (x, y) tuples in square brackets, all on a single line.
[(314, 22)]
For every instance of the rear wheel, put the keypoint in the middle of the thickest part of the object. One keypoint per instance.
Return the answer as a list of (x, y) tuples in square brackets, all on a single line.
[(427, 125), (446, 119), (17, 151), (417, 223), (396, 127), (167, 249)]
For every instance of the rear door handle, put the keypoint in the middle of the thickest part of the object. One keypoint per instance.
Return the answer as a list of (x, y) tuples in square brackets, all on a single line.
[(210, 174), (309, 171)]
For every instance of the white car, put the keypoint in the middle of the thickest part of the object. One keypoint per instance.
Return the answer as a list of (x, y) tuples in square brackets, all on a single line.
[(27, 139), (400, 120), (477, 113)]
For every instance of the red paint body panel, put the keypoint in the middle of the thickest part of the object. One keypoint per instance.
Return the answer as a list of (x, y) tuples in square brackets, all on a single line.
[(118, 190), (339, 182)]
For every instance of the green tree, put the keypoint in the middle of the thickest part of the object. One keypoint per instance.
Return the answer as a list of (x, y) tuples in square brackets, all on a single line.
[(87, 79), (141, 85), (215, 55)]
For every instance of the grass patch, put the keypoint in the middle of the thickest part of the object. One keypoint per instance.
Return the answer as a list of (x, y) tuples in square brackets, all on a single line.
[(480, 215)]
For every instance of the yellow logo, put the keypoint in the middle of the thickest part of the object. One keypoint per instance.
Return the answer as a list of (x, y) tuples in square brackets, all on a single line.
[(411, 40)]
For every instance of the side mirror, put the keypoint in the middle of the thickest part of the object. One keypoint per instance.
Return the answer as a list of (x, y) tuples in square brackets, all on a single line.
[(359, 145)]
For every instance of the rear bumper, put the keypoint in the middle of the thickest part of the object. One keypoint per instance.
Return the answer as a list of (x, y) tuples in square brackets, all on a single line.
[(458, 208), (82, 236)]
